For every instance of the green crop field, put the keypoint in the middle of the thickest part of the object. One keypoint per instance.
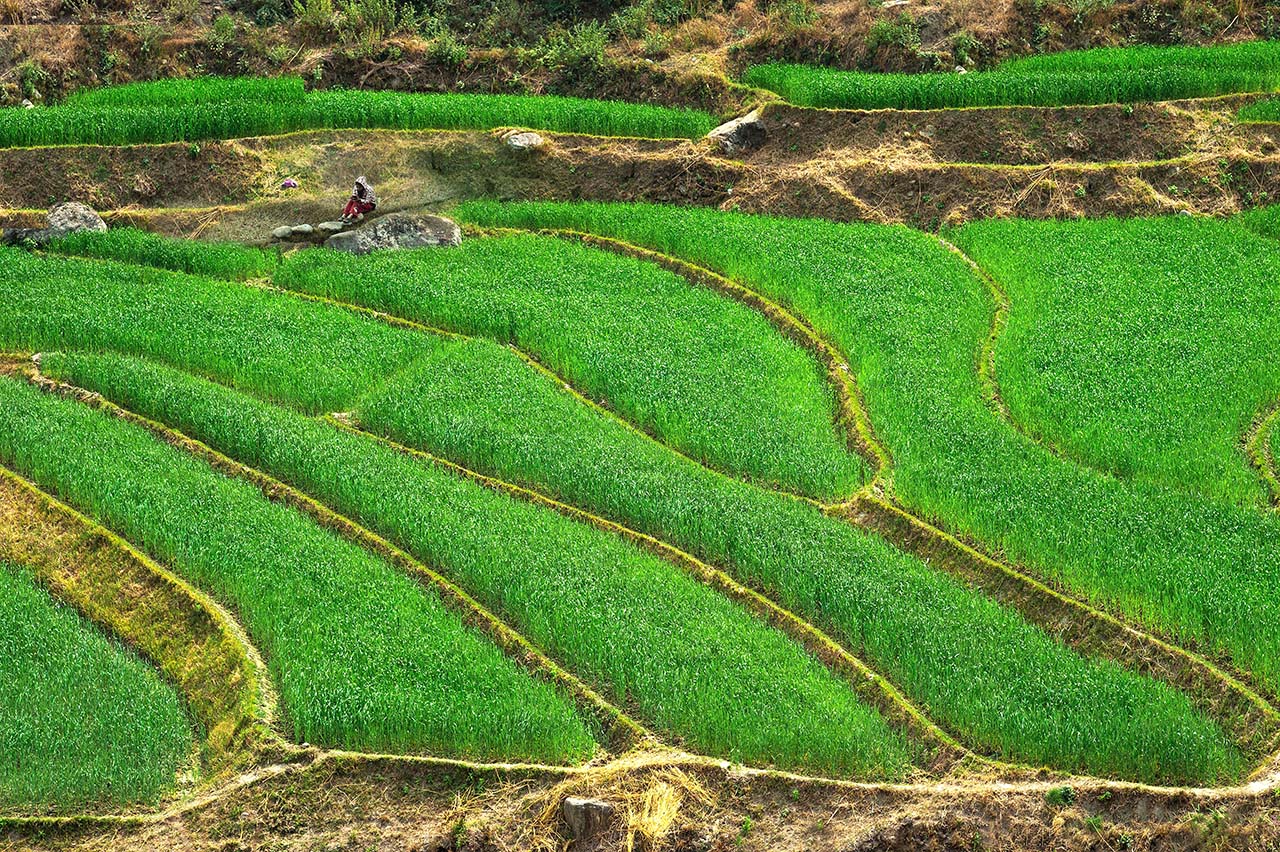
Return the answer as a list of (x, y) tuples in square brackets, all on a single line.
[(1202, 570), (82, 719), (349, 675), (710, 377), (216, 260), (729, 519), (214, 108), (1116, 75), (481, 404), (633, 625), (1087, 369)]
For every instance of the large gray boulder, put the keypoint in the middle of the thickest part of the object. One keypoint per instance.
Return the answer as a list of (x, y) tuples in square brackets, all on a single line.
[(743, 134), (398, 231), (67, 218), (73, 217)]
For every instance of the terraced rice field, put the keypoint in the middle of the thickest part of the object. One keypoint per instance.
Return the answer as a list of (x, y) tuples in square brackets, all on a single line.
[(216, 108), (1113, 75), (615, 483)]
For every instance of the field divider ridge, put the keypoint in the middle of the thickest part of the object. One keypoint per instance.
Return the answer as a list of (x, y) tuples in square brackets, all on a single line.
[(1257, 446), (1250, 719), (868, 684), (622, 732), (232, 738)]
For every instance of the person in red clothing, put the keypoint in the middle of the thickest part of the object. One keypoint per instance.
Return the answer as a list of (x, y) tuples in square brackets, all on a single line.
[(363, 200)]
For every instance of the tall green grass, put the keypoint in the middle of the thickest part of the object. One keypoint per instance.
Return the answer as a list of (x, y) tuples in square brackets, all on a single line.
[(691, 661), (192, 91), (1099, 307), (209, 108), (231, 261), (709, 376), (1260, 220), (362, 656), (1112, 75), (976, 667), (911, 316), (82, 719), (273, 344)]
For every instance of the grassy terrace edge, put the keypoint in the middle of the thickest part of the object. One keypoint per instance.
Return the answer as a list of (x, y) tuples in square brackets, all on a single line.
[(234, 109), (1110, 75)]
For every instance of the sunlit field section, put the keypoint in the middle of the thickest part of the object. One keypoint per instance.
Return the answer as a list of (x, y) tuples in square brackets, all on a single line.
[(976, 667), (1100, 76), (707, 375), (82, 719), (217, 260), (1141, 347), (912, 317), (640, 629), (363, 657), (275, 345), (217, 108)]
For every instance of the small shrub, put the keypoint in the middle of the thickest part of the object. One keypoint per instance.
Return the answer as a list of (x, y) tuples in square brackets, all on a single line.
[(316, 19), (903, 33), (1061, 797), (580, 47), (223, 32), (182, 11)]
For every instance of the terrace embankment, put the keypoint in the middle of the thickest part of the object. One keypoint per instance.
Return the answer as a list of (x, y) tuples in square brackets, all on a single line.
[(921, 167), (669, 802)]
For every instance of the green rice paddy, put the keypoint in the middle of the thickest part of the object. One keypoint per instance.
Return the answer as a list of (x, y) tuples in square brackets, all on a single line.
[(83, 720), (362, 656), (707, 375)]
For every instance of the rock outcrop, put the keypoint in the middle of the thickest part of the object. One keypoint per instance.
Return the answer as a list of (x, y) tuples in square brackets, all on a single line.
[(67, 218), (398, 231), (741, 135)]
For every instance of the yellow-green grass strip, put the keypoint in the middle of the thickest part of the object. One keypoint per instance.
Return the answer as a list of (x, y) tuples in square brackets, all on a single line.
[(363, 656), (83, 720), (317, 356), (208, 108), (192, 639), (701, 373), (693, 662), (911, 315), (1260, 443)]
